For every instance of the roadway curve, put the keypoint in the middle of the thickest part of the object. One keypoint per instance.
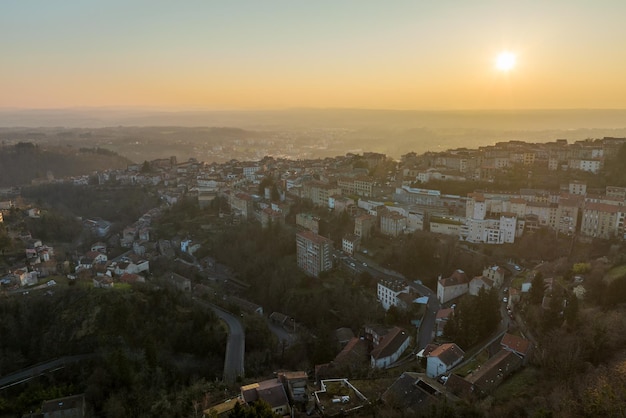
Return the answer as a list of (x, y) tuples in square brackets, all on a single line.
[(235, 346)]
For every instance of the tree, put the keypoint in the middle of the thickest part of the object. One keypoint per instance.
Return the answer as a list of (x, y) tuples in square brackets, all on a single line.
[(537, 289)]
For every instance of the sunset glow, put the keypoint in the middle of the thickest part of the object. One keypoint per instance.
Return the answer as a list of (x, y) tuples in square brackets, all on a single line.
[(505, 61), (260, 55)]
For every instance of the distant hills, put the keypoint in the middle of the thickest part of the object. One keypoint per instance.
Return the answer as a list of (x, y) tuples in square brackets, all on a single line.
[(24, 162), (502, 120)]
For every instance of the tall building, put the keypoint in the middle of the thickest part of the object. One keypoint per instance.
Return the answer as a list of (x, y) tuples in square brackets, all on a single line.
[(314, 253)]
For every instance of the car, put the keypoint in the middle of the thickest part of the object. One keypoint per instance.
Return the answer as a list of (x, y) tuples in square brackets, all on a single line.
[(505, 299), (517, 268), (364, 264), (505, 290)]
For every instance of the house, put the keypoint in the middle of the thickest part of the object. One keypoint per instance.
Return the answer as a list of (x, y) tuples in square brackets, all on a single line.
[(103, 282), (180, 282), (389, 348), (441, 319), (452, 287), (353, 356), (493, 372), (496, 274), (415, 394), (295, 384), (131, 278), (389, 290), (443, 359), (518, 345), (90, 259), (99, 246), (479, 282), (223, 409), (350, 243), (271, 391)]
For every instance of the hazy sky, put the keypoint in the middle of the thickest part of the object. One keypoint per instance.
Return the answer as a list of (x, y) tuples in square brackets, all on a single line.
[(262, 54)]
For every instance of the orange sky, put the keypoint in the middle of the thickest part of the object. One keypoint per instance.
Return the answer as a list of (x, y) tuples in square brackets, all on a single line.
[(359, 54)]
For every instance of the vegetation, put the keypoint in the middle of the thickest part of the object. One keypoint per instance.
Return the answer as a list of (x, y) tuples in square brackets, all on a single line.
[(26, 161), (151, 345), (474, 319)]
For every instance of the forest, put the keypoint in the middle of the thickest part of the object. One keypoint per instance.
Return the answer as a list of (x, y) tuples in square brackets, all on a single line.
[(155, 351)]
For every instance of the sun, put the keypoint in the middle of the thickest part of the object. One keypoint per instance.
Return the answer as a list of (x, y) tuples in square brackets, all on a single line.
[(505, 61)]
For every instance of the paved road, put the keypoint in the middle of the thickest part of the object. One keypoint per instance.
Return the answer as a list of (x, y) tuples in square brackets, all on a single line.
[(235, 346), (427, 327), (39, 369)]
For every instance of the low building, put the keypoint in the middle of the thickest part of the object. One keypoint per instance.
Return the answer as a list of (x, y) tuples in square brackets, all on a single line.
[(443, 359), (518, 345), (390, 348), (452, 287), (493, 372), (271, 391)]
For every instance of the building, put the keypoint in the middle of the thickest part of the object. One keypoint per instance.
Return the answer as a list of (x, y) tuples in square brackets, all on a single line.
[(319, 192), (308, 221), (452, 287), (496, 274), (479, 282), (388, 291), (443, 358), (271, 391), (313, 253), (392, 223), (350, 243), (389, 347), (363, 225), (241, 204), (518, 345), (602, 220)]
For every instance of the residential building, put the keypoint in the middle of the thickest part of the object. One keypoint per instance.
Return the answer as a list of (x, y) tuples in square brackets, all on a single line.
[(392, 223), (350, 243), (308, 221), (452, 287), (389, 348), (271, 391), (479, 282), (389, 290), (363, 225), (242, 205), (361, 186), (443, 358), (603, 220), (518, 345), (319, 192), (313, 253), (496, 274), (415, 394), (493, 372)]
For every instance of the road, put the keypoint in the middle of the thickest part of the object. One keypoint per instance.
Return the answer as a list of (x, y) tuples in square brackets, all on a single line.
[(39, 369), (427, 327), (235, 346)]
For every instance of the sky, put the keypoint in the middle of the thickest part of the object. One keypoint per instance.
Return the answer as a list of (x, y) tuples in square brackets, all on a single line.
[(276, 54)]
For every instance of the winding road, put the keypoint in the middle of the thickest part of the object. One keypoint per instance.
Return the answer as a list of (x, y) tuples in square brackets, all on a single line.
[(235, 346)]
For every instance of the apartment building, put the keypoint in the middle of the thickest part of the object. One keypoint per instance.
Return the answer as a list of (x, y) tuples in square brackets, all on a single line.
[(314, 253)]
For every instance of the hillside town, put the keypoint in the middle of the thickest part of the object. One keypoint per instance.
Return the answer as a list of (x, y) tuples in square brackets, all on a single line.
[(380, 197)]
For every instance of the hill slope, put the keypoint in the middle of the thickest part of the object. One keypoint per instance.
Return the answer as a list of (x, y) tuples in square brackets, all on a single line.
[(25, 162)]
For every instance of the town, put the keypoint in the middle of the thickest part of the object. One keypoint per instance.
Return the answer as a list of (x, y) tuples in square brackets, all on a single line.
[(447, 274)]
